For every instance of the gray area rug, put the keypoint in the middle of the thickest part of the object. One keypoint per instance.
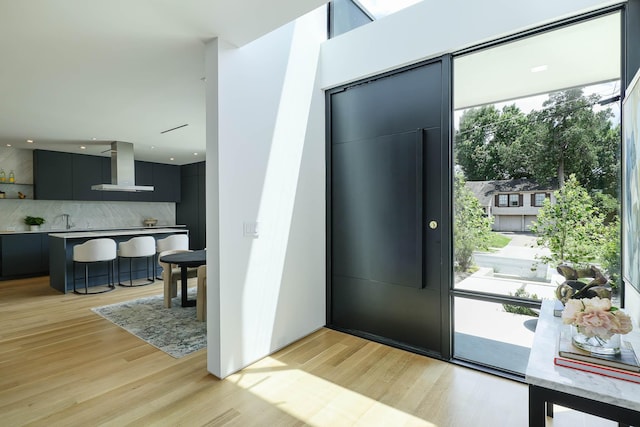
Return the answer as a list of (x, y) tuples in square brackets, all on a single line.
[(173, 330)]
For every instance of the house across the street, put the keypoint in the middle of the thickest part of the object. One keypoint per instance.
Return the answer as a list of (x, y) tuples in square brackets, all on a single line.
[(513, 203)]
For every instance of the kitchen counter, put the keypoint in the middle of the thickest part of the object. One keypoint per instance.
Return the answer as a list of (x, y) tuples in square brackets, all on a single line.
[(117, 232), (86, 230), (61, 254)]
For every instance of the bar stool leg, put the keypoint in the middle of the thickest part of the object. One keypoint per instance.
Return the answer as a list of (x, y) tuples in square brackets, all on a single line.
[(74, 277), (86, 278)]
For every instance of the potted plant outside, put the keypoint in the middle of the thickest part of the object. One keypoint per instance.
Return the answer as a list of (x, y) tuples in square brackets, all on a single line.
[(34, 222)]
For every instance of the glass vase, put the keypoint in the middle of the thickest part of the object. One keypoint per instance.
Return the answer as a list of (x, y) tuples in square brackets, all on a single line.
[(596, 345)]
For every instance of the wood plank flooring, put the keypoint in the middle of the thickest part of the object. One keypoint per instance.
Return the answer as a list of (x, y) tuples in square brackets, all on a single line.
[(63, 365)]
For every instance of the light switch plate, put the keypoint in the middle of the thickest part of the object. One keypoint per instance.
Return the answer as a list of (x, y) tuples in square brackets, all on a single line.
[(251, 229)]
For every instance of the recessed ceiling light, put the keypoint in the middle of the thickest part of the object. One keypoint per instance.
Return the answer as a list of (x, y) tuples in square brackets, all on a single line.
[(30, 141), (195, 154), (153, 147), (93, 139), (8, 145), (171, 158), (539, 68), (82, 147)]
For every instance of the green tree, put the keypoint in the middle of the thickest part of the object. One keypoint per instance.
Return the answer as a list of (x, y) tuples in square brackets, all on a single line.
[(476, 150), (471, 228), (610, 255), (606, 174), (568, 137), (484, 142), (511, 131), (571, 227)]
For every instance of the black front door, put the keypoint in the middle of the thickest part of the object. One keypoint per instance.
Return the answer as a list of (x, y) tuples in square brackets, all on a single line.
[(386, 208)]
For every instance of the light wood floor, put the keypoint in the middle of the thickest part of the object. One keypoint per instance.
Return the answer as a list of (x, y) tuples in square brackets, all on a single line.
[(63, 365)]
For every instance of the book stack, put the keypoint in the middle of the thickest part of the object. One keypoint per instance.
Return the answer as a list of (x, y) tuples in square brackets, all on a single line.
[(623, 366)]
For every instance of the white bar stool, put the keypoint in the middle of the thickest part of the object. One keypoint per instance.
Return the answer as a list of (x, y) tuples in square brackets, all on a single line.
[(94, 251), (138, 247), (171, 243)]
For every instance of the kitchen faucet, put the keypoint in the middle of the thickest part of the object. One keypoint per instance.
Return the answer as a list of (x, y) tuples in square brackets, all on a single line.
[(68, 224)]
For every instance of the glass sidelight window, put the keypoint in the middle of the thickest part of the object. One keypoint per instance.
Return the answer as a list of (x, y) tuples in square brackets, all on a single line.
[(532, 128)]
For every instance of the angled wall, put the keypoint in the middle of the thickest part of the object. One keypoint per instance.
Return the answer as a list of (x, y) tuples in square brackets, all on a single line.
[(269, 185)]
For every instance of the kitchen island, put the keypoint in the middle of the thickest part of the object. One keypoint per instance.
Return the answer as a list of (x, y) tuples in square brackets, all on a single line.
[(61, 254)]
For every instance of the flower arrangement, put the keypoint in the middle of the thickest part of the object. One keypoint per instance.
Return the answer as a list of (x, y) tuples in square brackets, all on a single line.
[(596, 317)]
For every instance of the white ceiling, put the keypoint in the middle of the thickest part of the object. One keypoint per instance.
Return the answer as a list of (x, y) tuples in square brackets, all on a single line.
[(123, 70), (579, 55), (126, 70)]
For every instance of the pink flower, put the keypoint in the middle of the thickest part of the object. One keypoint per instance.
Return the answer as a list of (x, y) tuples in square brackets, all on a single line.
[(624, 322), (571, 310), (596, 323), (596, 317), (596, 304)]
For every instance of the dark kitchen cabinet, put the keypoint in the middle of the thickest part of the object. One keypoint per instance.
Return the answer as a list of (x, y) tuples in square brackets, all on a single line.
[(24, 255), (52, 175), (191, 211), (202, 207), (67, 176), (166, 180), (87, 171)]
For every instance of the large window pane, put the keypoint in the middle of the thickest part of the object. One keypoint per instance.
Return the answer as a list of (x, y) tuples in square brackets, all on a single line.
[(486, 333), (547, 143)]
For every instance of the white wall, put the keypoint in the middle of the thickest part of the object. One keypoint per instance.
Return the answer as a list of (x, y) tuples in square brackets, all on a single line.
[(270, 155), (432, 28), (212, 208), (632, 302)]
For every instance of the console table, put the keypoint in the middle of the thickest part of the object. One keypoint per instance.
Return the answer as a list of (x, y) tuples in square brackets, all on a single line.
[(594, 394)]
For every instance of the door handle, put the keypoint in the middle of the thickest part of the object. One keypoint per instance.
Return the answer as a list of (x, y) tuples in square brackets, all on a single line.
[(433, 225)]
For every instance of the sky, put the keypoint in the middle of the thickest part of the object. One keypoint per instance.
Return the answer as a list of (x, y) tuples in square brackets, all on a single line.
[(380, 8)]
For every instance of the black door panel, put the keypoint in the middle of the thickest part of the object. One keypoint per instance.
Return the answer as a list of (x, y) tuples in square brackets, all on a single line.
[(378, 191), (386, 186)]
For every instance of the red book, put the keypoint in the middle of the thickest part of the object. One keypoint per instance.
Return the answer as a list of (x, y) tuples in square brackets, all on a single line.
[(607, 371)]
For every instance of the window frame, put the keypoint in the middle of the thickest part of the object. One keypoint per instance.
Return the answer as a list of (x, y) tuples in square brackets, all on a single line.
[(535, 199)]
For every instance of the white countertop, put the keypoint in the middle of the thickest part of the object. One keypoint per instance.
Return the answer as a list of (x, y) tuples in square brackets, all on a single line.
[(541, 370), (85, 230), (117, 232)]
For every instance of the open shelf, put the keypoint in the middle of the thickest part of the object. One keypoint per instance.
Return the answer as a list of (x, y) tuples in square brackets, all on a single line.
[(11, 190)]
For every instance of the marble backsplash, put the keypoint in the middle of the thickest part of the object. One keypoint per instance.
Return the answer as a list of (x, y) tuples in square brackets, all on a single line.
[(83, 215)]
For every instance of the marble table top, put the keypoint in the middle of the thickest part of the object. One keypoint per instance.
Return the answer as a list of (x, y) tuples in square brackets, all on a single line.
[(541, 370)]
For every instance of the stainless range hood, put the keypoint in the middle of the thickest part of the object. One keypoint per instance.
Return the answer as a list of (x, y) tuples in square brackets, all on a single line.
[(123, 172)]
